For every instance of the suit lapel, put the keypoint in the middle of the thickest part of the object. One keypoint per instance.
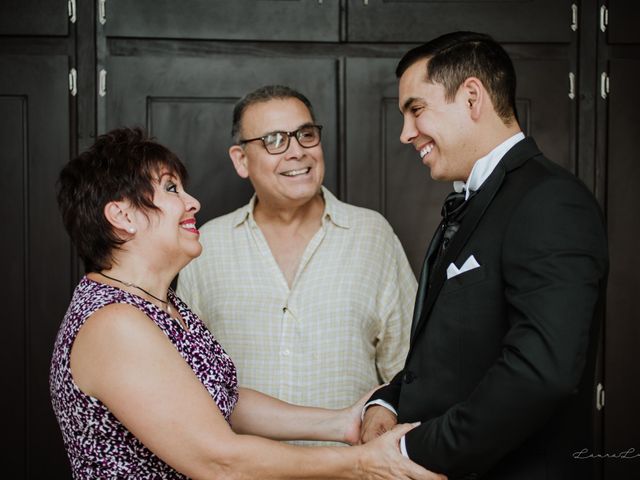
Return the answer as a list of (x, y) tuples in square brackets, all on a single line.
[(424, 278), (477, 206), (476, 209)]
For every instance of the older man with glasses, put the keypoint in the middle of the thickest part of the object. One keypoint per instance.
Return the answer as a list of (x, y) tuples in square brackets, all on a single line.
[(311, 297)]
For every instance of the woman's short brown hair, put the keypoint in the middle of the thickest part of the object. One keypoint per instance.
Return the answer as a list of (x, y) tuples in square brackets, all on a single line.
[(122, 164)]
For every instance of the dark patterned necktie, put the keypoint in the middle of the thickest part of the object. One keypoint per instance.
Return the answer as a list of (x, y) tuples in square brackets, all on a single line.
[(452, 213)]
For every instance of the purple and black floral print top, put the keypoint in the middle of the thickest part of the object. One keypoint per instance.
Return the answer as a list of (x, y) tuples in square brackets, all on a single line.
[(98, 445)]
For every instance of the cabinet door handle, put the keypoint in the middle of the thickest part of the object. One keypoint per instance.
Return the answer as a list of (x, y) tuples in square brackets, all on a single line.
[(599, 397)]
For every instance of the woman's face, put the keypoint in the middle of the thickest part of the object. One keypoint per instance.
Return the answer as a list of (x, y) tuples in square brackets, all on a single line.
[(171, 230)]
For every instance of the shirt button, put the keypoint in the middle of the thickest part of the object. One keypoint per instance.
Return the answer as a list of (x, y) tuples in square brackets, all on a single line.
[(285, 352)]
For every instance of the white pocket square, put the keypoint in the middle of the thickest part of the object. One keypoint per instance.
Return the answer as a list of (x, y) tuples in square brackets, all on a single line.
[(469, 264)]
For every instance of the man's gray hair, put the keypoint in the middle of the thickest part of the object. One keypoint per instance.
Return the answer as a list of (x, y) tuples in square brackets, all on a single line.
[(264, 94)]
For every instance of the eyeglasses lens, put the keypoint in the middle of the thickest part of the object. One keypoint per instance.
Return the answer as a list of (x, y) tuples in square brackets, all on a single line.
[(278, 142), (308, 136)]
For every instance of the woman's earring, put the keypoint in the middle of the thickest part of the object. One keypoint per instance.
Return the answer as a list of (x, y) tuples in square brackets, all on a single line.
[(132, 230)]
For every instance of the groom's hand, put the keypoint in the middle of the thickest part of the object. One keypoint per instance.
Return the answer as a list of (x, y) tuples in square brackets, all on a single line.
[(377, 420)]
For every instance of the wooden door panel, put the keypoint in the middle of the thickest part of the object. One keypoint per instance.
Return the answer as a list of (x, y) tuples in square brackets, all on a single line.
[(34, 17), (387, 176), (271, 20), (187, 103), (12, 257), (623, 21), (622, 329), (382, 173), (35, 139), (544, 108), (419, 20)]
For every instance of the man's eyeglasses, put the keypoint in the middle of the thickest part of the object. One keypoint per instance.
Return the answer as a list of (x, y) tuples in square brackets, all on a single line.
[(278, 142)]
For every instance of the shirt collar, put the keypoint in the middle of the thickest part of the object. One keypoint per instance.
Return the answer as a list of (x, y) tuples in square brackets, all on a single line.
[(245, 213), (334, 210), (485, 166)]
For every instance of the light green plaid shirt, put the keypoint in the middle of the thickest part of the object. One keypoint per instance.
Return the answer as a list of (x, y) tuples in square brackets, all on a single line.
[(341, 329)]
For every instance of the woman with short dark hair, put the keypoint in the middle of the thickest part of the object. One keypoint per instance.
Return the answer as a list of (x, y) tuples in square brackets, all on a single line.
[(140, 387)]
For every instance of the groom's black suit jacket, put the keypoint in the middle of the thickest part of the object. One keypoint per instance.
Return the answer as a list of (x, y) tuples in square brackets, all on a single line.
[(500, 369)]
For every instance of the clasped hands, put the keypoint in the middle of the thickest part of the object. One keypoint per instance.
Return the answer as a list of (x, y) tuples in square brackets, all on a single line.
[(377, 421), (379, 429)]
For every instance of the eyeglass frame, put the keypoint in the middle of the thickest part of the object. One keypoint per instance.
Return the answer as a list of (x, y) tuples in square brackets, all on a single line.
[(288, 136)]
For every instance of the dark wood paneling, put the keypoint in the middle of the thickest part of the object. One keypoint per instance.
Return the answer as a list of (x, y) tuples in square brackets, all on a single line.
[(387, 176), (85, 63), (419, 20), (624, 16), (39, 149), (189, 102), (622, 334), (549, 117), (381, 173), (185, 99), (307, 20), (13, 259), (34, 17), (588, 169)]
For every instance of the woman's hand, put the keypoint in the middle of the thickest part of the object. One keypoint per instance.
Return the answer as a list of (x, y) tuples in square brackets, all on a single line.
[(352, 419), (382, 459)]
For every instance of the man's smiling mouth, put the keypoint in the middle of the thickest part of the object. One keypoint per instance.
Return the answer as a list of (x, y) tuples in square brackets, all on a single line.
[(426, 150), (295, 173)]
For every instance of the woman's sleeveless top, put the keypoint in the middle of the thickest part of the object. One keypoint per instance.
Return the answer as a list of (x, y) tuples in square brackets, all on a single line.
[(98, 445)]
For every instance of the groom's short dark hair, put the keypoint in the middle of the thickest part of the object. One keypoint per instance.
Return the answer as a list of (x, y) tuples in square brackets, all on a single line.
[(452, 58)]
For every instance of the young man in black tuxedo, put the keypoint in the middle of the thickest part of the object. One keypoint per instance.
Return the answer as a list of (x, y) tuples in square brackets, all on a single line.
[(500, 367)]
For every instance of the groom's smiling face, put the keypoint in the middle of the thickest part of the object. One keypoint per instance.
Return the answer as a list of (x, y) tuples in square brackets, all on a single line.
[(437, 128)]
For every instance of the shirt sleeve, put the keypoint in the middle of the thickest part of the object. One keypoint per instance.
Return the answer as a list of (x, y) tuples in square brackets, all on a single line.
[(403, 447), (395, 306), (381, 403)]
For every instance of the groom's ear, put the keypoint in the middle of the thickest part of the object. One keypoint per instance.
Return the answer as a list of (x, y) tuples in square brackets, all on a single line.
[(476, 97)]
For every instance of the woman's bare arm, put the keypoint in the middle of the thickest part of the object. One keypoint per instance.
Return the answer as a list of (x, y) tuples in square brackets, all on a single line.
[(122, 358)]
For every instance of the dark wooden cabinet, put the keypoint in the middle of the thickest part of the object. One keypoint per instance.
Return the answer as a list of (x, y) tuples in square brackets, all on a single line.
[(269, 20), (619, 128), (546, 21), (382, 173), (35, 253), (34, 17), (544, 108), (622, 333), (621, 21), (177, 68)]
